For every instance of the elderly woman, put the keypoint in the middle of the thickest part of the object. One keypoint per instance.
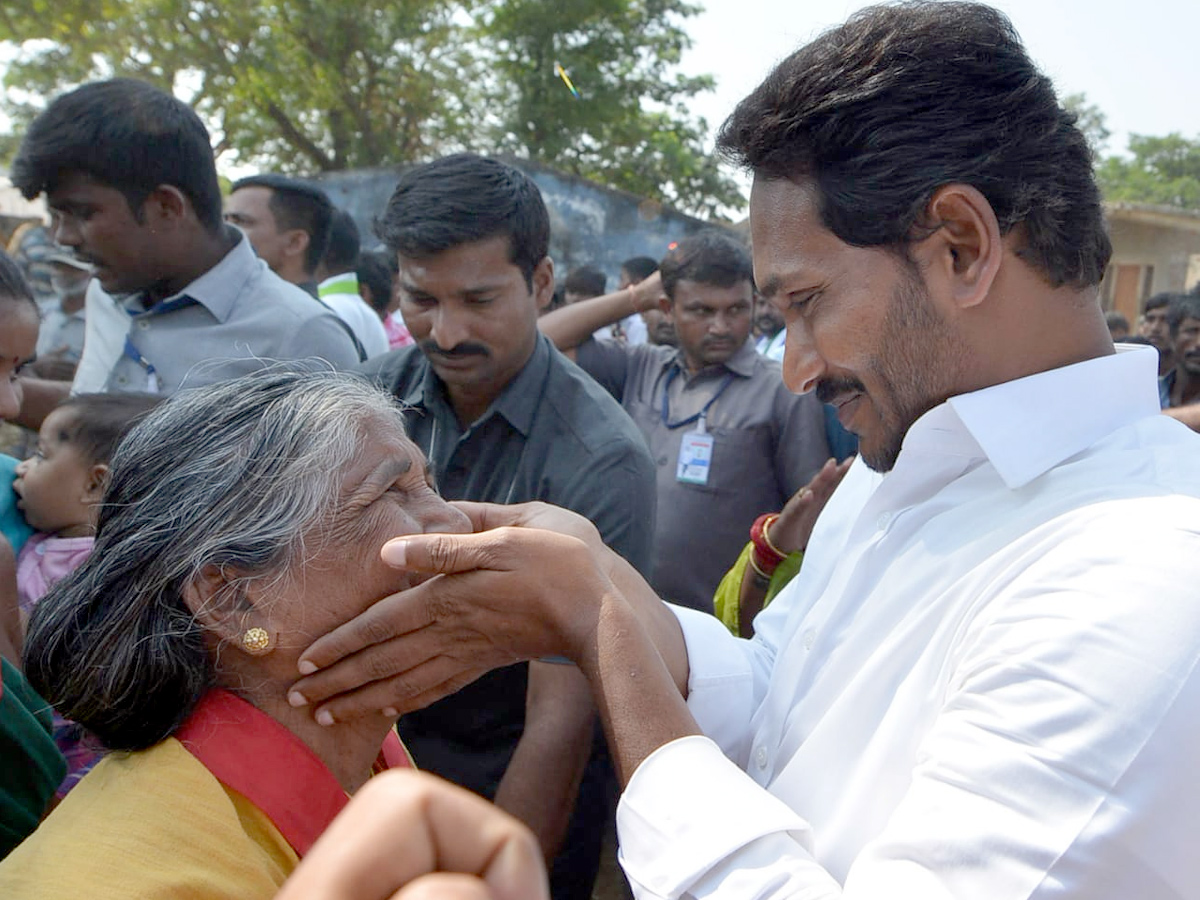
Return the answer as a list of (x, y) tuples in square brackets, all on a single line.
[(241, 521)]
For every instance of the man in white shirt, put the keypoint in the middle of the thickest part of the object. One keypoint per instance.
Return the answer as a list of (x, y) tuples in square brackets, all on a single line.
[(983, 683), (337, 285)]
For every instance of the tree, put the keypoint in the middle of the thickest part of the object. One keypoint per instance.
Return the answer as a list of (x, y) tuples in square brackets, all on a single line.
[(317, 85), (1091, 120), (1163, 170), (296, 85), (629, 126)]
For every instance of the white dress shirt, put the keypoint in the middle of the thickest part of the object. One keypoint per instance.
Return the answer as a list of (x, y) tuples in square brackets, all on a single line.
[(982, 685)]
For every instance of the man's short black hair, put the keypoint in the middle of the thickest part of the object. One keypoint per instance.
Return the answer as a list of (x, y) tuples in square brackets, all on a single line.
[(709, 257), (375, 270), (462, 199), (127, 135), (1158, 301), (900, 100), (1183, 306), (639, 268), (1114, 319), (341, 253), (587, 281), (296, 204)]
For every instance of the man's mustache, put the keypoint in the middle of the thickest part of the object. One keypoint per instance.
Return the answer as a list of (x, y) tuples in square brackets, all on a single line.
[(829, 389), (430, 348)]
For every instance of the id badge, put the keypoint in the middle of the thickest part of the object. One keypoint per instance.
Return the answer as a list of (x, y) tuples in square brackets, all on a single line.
[(695, 458)]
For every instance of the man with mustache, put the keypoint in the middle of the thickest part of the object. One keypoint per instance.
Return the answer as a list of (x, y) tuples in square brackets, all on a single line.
[(178, 297), (729, 440), (984, 681), (503, 417), (1183, 321)]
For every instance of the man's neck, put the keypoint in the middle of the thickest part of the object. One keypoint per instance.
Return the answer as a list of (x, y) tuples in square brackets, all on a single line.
[(1186, 389), (468, 405), (1166, 362), (201, 255)]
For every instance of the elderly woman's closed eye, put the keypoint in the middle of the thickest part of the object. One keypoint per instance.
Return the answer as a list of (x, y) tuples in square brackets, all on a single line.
[(241, 521)]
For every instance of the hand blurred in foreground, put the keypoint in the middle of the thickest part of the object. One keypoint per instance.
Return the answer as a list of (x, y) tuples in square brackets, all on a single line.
[(411, 836)]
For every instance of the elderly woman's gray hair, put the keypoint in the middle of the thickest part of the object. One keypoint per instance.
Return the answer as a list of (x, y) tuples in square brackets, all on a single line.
[(245, 476)]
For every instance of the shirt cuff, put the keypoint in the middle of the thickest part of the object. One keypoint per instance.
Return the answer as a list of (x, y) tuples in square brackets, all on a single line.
[(687, 808), (720, 681)]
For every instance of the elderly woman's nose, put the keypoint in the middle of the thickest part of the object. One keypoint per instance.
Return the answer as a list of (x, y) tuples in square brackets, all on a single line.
[(447, 519)]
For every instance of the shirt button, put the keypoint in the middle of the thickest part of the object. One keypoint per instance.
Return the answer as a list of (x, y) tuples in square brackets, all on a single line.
[(810, 636), (662, 460), (121, 379), (760, 757), (883, 520), (144, 324)]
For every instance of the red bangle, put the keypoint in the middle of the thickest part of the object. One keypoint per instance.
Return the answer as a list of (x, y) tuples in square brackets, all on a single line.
[(764, 570), (768, 554)]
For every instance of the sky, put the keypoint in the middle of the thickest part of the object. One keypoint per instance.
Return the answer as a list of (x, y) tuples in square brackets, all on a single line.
[(1137, 60)]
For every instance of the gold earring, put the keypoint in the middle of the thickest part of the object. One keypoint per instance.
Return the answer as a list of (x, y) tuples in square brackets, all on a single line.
[(256, 639)]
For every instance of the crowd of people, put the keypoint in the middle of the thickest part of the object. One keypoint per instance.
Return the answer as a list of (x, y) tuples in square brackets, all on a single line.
[(853, 562)]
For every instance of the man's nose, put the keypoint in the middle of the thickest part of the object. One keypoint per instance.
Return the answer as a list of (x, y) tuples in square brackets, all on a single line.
[(449, 329), (802, 364), (63, 231)]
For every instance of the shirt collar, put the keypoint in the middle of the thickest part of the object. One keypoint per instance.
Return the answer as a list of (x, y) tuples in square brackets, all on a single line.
[(741, 363), (345, 283), (1028, 426), (217, 289), (518, 401), (249, 752)]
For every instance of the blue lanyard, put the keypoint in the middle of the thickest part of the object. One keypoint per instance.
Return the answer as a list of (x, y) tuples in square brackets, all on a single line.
[(666, 413), (133, 353)]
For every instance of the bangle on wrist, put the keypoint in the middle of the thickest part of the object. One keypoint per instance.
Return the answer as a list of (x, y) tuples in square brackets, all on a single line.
[(766, 535), (768, 553), (762, 572)]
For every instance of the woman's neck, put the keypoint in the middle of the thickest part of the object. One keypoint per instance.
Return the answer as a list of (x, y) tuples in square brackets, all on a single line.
[(348, 749)]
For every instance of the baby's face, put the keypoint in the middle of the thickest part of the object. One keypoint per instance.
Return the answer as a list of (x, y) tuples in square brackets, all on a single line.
[(56, 486)]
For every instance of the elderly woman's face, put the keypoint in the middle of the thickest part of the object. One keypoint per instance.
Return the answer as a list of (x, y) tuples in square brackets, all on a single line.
[(386, 492)]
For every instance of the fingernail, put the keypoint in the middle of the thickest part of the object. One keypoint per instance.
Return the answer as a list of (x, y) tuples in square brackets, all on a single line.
[(391, 713), (325, 717), (306, 667), (394, 553), (295, 698)]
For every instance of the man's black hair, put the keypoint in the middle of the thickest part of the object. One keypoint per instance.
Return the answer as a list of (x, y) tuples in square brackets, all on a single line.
[(341, 253), (296, 204), (13, 286), (587, 281), (1114, 319), (639, 268), (127, 135), (709, 257), (1158, 301), (900, 100), (1183, 306), (462, 199), (376, 272)]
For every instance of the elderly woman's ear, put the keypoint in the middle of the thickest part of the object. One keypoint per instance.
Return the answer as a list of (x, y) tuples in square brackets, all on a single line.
[(223, 602)]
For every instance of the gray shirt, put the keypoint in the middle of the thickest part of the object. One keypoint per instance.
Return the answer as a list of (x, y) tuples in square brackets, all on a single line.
[(766, 444), (553, 434), (229, 321)]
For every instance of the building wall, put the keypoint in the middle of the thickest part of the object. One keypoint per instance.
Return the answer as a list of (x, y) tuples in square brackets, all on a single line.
[(589, 224), (1162, 257)]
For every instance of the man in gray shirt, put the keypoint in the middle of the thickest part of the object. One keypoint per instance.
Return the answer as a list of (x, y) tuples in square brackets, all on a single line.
[(129, 177), (729, 440)]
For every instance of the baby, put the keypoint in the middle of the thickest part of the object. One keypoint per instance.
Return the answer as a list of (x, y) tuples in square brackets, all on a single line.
[(60, 486), (59, 489)]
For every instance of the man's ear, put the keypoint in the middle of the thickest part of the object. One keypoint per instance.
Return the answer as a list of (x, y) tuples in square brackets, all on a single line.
[(965, 249), (543, 282), (295, 243), (222, 602), (166, 206)]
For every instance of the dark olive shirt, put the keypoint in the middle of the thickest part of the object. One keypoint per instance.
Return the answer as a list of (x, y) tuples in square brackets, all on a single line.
[(554, 435), (767, 444)]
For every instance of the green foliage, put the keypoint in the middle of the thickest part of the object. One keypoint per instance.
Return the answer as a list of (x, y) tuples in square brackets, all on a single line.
[(317, 85), (1163, 170), (1090, 120)]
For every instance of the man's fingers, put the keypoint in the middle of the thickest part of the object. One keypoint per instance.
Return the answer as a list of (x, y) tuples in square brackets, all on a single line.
[(403, 693), (394, 615), (404, 825), (444, 886), (451, 553)]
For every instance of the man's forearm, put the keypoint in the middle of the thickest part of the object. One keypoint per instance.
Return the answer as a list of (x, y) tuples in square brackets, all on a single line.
[(570, 326), (39, 398), (1189, 415)]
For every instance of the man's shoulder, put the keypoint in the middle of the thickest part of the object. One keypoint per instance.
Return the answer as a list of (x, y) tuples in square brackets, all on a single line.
[(397, 370), (587, 411)]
